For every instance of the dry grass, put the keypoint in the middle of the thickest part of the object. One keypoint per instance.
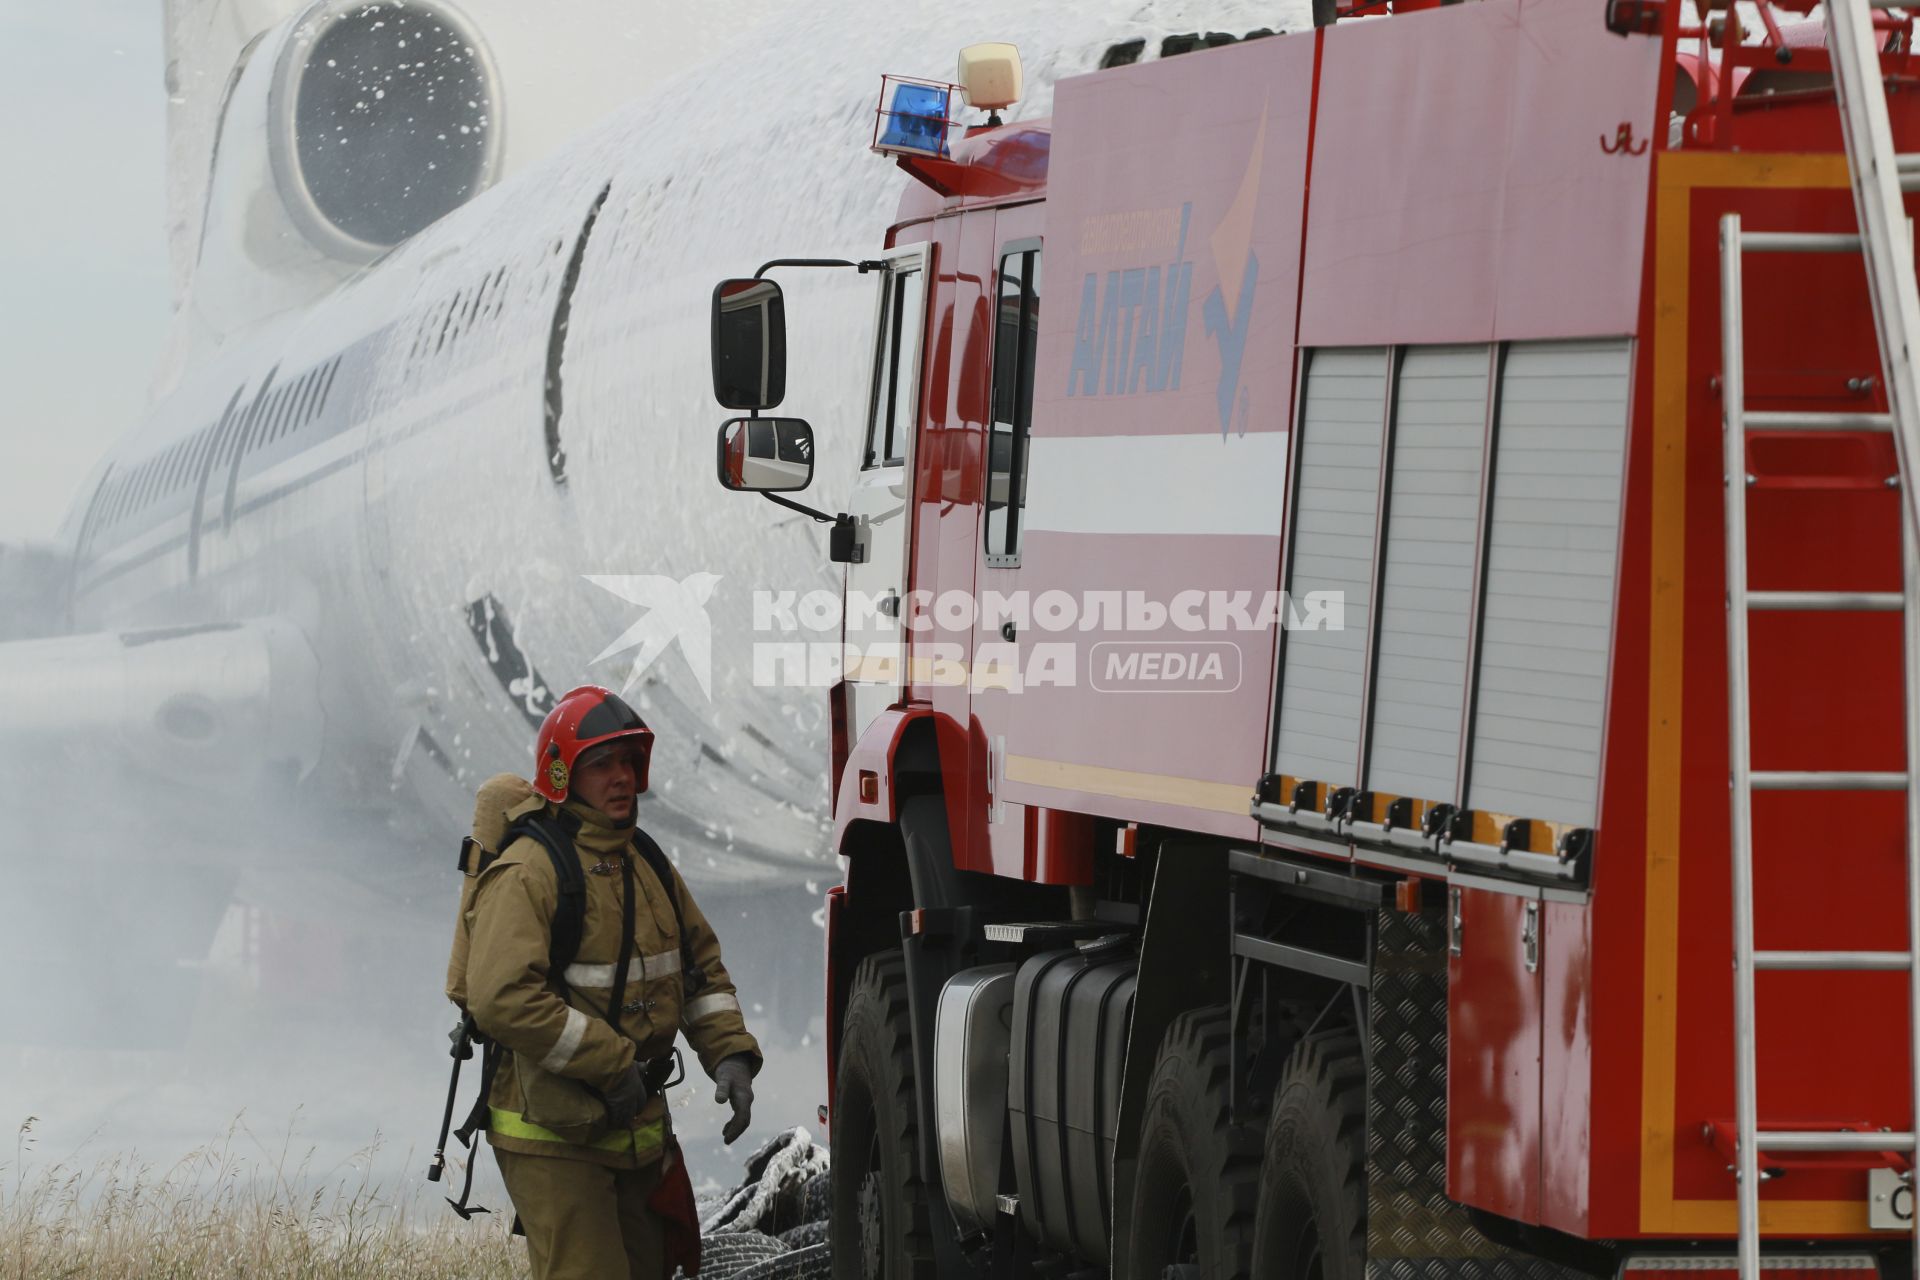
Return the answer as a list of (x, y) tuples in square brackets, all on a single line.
[(218, 1214)]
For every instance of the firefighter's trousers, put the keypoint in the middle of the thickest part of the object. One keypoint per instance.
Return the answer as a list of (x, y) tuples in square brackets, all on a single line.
[(586, 1221)]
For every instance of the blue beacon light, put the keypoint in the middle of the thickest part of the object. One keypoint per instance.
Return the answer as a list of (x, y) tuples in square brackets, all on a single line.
[(917, 120)]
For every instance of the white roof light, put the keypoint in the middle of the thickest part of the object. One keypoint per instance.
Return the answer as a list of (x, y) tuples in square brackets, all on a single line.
[(990, 75)]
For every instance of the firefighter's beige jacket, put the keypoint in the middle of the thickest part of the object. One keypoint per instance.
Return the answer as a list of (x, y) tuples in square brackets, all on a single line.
[(558, 1045)]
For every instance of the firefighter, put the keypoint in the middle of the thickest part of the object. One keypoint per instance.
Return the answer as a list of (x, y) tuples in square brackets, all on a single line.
[(577, 1112)]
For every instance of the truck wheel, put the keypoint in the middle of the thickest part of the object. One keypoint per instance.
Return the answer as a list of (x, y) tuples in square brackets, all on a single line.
[(879, 1229), (1193, 1195), (1312, 1221)]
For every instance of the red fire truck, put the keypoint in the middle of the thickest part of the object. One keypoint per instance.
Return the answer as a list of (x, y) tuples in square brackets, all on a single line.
[(1284, 783)]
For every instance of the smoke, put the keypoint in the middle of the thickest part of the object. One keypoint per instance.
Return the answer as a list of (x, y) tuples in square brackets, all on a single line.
[(29, 591), (179, 964)]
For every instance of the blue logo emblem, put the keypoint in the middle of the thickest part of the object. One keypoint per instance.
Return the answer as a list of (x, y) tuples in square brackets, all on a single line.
[(1131, 333), (1140, 334)]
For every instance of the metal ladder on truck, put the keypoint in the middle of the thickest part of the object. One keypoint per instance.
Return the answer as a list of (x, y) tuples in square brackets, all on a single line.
[(1885, 242)]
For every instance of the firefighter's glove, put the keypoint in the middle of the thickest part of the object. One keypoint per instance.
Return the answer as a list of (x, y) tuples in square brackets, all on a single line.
[(733, 1085), (626, 1098)]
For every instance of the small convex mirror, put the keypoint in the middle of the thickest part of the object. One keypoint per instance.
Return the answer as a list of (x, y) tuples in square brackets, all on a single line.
[(766, 455), (749, 344)]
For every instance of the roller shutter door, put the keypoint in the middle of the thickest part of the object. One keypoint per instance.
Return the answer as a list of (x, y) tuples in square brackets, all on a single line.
[(1551, 565), (1336, 501), (1427, 582)]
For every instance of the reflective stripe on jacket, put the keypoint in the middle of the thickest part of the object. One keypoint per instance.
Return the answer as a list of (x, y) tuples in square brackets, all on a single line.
[(643, 1141)]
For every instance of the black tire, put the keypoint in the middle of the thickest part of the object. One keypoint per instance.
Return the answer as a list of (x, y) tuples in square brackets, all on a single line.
[(1312, 1219), (1193, 1194), (879, 1221)]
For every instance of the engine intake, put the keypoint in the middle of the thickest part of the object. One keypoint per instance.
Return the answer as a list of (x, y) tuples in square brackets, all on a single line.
[(381, 118)]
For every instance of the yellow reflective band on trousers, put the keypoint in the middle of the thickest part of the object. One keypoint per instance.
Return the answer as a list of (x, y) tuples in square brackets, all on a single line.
[(643, 1140)]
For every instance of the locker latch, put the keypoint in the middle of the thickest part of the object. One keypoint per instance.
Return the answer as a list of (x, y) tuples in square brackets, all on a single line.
[(1400, 813), (1444, 822)]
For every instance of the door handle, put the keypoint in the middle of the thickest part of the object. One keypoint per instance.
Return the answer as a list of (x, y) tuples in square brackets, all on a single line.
[(1006, 631), (889, 605)]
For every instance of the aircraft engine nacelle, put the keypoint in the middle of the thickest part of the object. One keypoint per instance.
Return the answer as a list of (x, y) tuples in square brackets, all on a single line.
[(346, 130), (380, 118), (218, 706)]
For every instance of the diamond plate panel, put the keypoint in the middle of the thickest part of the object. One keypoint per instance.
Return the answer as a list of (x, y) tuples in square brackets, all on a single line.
[(1414, 1232)]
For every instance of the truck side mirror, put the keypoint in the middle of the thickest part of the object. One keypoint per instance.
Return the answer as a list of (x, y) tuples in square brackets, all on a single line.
[(749, 345), (766, 455)]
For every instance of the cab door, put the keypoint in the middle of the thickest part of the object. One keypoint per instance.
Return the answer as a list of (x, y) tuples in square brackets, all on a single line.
[(1012, 320), (876, 579)]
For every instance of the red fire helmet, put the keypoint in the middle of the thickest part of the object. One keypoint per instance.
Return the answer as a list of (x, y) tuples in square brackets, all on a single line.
[(586, 717)]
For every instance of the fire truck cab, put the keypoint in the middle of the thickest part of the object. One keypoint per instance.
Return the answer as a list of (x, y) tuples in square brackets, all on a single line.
[(1282, 758)]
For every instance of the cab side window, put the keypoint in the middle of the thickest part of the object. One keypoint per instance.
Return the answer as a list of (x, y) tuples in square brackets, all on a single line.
[(1016, 329), (895, 401)]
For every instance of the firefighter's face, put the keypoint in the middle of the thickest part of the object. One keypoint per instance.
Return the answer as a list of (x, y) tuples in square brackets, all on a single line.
[(607, 778)]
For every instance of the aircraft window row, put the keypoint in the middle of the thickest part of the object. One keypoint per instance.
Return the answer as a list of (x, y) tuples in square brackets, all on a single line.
[(178, 467), (447, 319), (1465, 502)]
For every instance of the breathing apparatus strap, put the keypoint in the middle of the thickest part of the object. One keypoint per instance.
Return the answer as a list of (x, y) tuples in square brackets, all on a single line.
[(570, 912), (619, 996), (691, 976)]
